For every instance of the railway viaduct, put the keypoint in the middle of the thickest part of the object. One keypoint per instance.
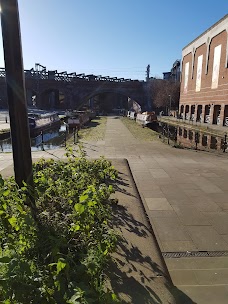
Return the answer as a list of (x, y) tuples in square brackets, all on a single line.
[(62, 90)]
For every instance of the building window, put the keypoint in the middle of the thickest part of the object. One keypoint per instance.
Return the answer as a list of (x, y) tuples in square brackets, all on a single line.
[(199, 73), (186, 72), (216, 66)]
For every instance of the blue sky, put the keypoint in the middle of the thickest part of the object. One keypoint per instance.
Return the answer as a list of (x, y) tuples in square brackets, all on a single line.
[(112, 38)]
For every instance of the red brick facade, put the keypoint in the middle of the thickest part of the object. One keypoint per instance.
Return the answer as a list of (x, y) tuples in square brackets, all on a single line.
[(204, 83)]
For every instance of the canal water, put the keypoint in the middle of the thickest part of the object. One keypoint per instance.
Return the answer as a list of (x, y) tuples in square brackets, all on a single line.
[(49, 139), (187, 137)]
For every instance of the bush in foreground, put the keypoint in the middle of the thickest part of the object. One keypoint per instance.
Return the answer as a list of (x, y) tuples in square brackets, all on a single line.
[(57, 253)]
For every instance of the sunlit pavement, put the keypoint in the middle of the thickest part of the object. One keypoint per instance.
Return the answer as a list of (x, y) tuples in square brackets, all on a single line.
[(6, 159), (185, 196)]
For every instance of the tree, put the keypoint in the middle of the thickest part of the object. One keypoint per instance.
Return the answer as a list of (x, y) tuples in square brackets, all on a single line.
[(160, 90)]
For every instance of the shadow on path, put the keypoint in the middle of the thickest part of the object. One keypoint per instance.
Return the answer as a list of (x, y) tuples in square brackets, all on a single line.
[(136, 273)]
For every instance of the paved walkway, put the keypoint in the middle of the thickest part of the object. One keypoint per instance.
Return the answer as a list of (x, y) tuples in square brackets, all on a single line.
[(185, 196)]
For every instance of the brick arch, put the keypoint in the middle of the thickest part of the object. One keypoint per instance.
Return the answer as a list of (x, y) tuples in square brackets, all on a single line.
[(124, 93), (78, 90)]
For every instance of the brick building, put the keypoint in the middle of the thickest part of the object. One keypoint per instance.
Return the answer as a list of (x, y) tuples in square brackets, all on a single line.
[(204, 81), (174, 74)]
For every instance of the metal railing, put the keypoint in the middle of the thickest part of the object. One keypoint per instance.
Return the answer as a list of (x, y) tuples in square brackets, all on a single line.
[(184, 137), (40, 142)]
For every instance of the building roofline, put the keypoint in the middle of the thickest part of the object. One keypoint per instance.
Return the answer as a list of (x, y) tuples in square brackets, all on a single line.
[(210, 28)]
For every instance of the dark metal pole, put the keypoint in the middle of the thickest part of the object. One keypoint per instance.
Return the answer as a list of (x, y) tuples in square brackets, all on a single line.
[(42, 140), (74, 136), (65, 138), (175, 138), (168, 134), (16, 92), (225, 143), (196, 139)]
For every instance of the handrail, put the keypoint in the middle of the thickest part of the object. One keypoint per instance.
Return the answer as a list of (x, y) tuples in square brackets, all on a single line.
[(6, 143), (175, 134)]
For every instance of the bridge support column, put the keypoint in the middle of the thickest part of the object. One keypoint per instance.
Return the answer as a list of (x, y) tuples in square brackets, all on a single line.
[(69, 101), (91, 102), (29, 97)]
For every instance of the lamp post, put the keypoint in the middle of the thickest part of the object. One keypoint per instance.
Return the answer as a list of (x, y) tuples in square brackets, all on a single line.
[(16, 92), (170, 99)]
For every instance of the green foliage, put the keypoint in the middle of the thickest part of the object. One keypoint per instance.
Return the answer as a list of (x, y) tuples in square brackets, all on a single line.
[(58, 255)]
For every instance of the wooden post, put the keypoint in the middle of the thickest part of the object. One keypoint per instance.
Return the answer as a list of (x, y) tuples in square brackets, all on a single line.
[(16, 92)]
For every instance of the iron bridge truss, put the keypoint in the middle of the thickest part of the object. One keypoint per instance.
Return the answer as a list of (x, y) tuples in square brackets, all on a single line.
[(40, 73)]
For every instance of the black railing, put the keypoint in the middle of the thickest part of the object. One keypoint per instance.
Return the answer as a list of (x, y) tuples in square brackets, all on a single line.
[(184, 137), (43, 141)]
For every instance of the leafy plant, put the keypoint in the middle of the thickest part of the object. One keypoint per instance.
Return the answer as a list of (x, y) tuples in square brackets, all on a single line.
[(58, 254)]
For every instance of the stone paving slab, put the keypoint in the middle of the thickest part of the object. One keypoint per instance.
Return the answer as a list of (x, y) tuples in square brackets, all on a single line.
[(207, 294), (170, 229), (206, 238), (197, 276)]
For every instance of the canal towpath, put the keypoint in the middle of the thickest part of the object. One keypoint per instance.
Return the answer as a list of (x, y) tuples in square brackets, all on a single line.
[(184, 194)]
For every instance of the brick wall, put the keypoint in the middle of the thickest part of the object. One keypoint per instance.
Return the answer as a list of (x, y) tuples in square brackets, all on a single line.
[(206, 94)]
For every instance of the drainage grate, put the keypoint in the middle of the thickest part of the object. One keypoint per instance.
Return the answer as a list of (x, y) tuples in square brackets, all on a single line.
[(192, 254)]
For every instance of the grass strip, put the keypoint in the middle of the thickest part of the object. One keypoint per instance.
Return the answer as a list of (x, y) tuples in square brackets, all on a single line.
[(144, 134)]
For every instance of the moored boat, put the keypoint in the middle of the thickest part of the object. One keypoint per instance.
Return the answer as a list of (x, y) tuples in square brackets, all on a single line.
[(76, 119), (131, 114), (39, 121), (146, 119)]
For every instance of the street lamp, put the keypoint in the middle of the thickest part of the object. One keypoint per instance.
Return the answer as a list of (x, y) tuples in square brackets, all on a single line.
[(170, 98)]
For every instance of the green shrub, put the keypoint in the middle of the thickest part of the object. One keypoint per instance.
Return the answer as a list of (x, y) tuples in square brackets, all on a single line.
[(58, 254)]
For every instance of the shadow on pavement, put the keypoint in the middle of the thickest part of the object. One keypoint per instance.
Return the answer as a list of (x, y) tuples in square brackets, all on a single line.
[(136, 273)]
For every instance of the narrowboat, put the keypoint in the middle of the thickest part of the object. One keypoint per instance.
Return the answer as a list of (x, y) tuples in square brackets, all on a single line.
[(39, 121), (146, 119), (131, 114), (77, 119)]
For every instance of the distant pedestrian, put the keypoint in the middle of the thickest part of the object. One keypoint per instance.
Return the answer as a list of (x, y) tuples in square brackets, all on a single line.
[(6, 119)]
